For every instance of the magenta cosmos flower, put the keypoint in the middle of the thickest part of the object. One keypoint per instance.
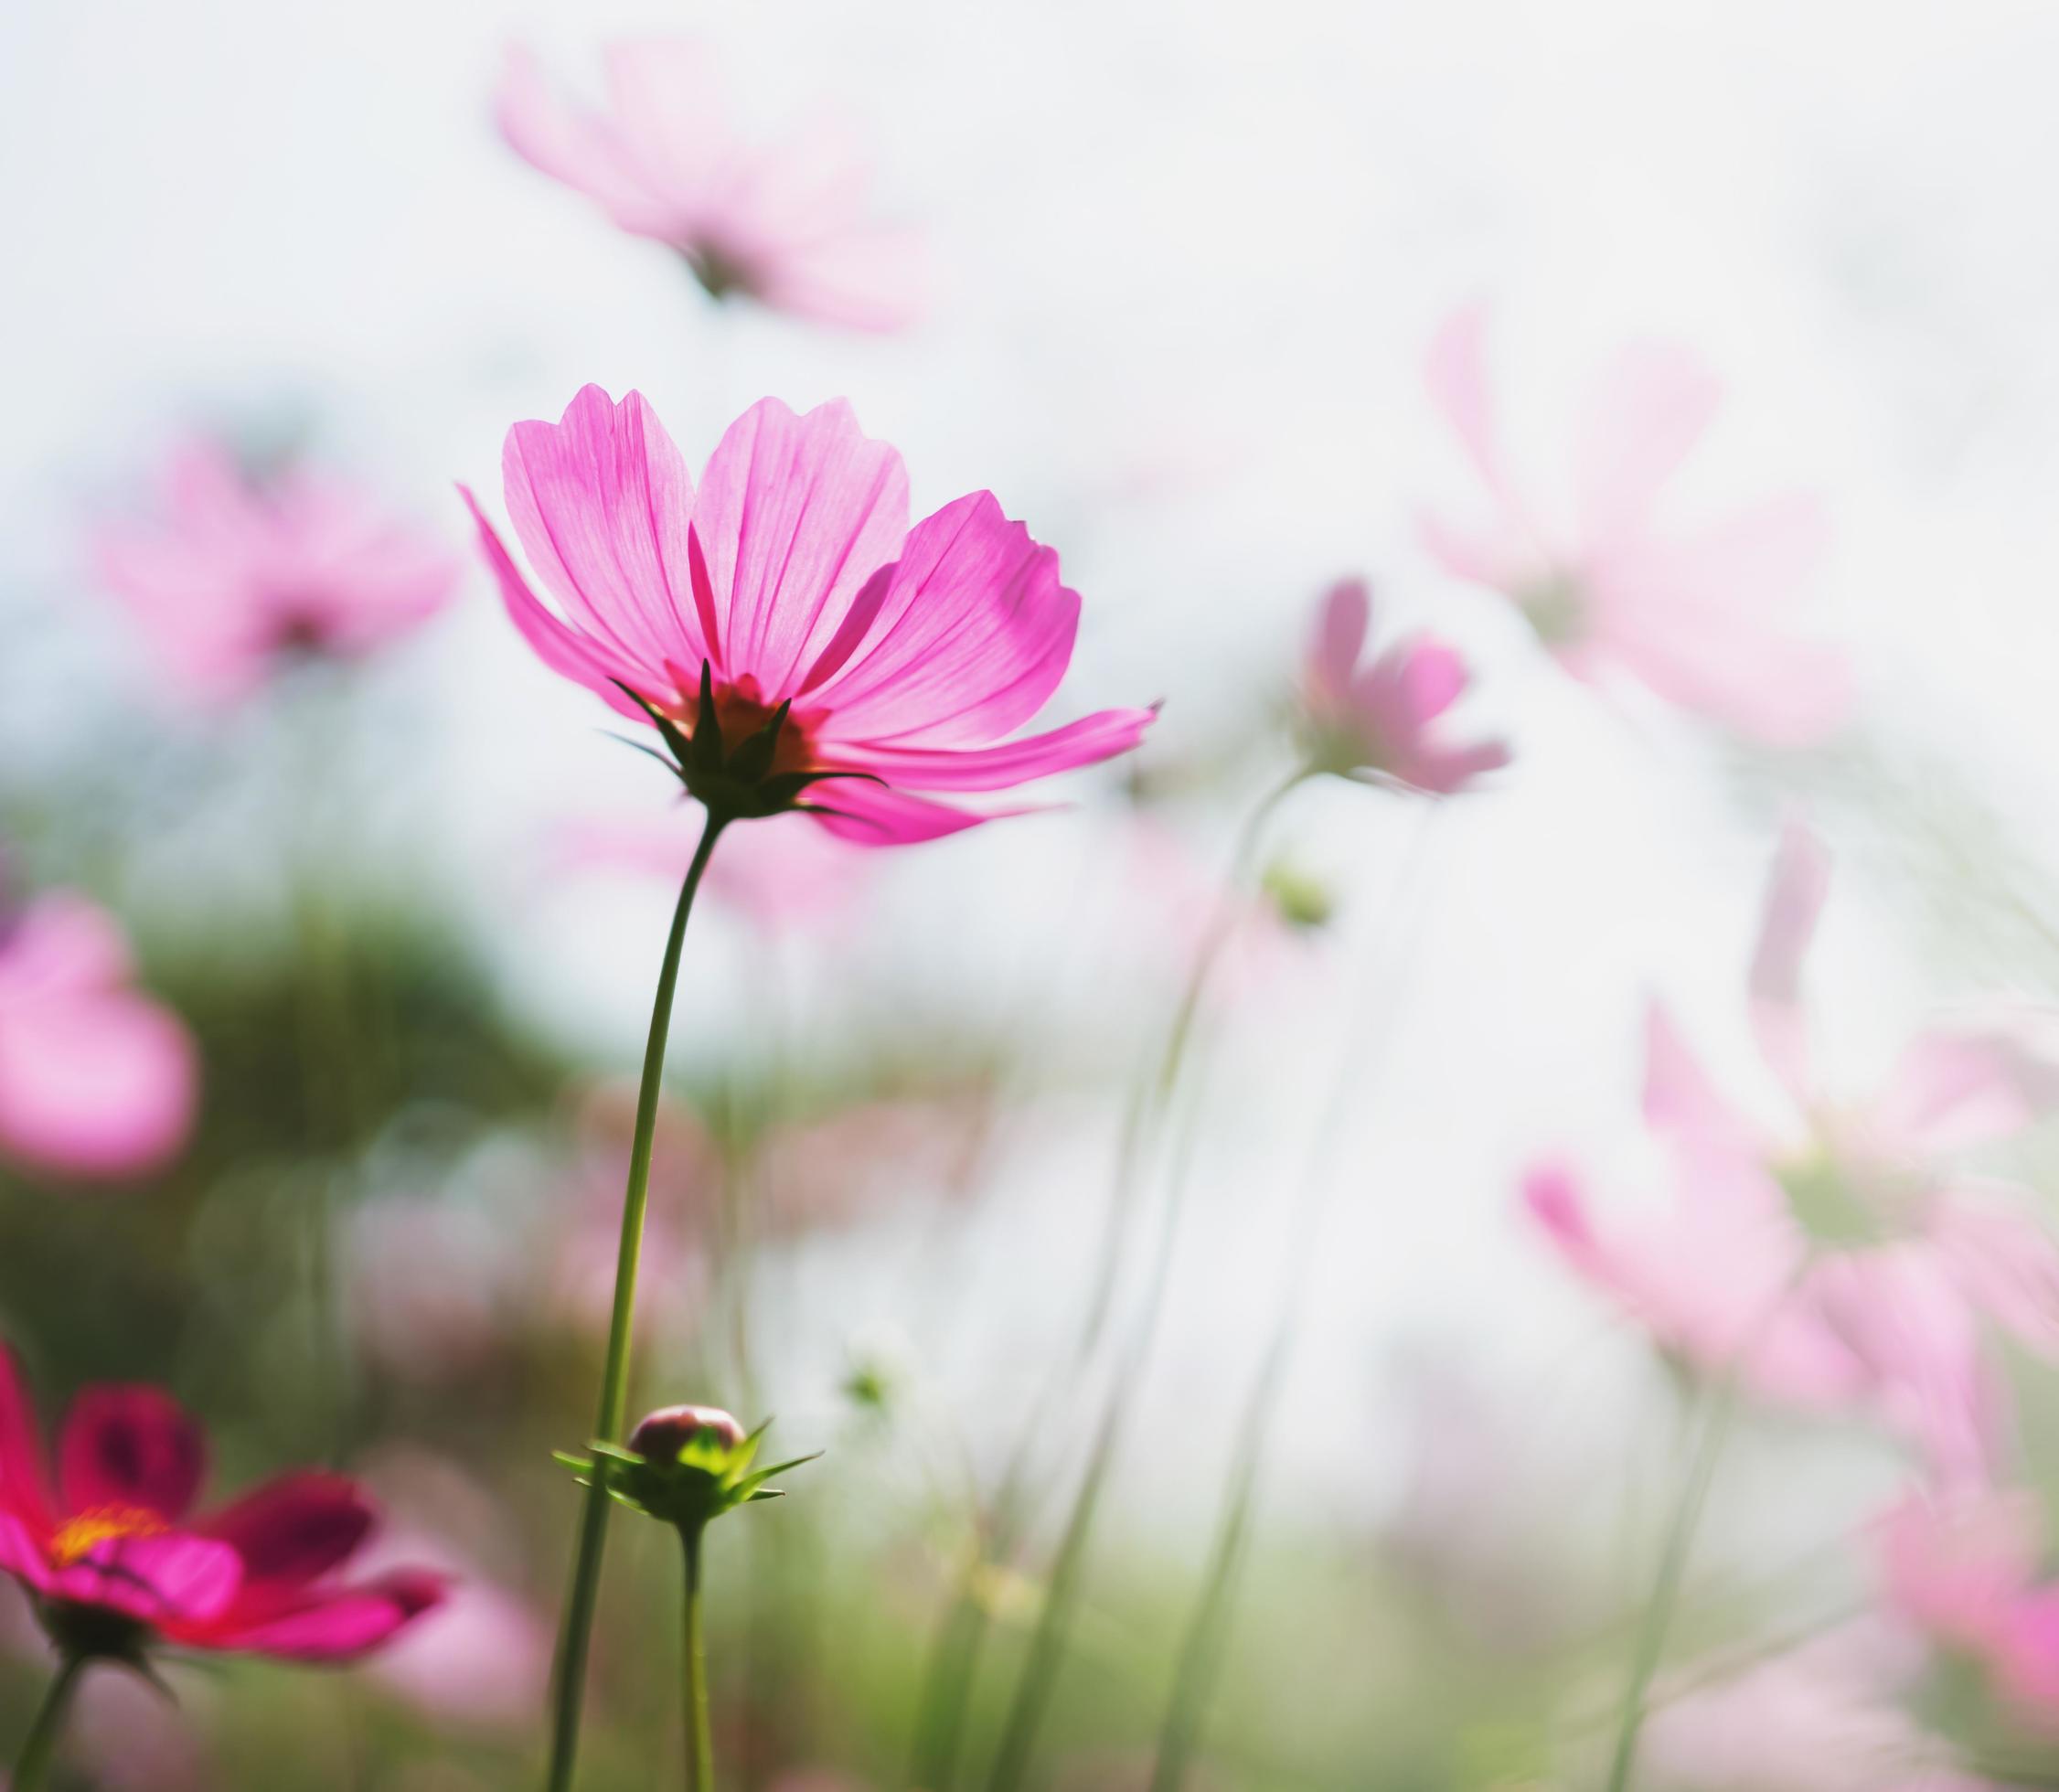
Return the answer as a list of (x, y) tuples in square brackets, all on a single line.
[(117, 1559), (1700, 617), (1388, 720), (96, 1080), (784, 224), (236, 575), (787, 606), (1845, 1257)]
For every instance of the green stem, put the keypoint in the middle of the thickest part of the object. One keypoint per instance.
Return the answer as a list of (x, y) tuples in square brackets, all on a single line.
[(700, 1746), (1672, 1570), (575, 1638), (1050, 1643), (34, 1761)]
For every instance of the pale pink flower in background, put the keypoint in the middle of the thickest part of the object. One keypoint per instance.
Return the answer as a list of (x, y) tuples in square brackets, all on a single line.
[(908, 654), (1965, 1567), (97, 1081), (1177, 904), (482, 1659), (784, 875), (237, 575), (1824, 1717), (1388, 720), (1702, 617), (1854, 1263), (788, 225)]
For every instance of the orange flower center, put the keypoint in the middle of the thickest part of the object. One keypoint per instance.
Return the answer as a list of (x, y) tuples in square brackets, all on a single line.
[(78, 1536)]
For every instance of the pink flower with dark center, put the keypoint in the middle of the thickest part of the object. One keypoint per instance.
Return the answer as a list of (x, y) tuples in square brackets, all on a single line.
[(96, 1080), (1847, 1259), (1387, 721), (786, 225), (118, 1560), (1700, 617), (791, 588), (237, 576)]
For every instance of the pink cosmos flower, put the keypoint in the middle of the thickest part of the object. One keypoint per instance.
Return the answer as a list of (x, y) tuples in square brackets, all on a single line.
[(236, 576), (786, 226), (1385, 721), (1847, 1258), (784, 876), (791, 587), (1698, 616), (115, 1553), (96, 1080)]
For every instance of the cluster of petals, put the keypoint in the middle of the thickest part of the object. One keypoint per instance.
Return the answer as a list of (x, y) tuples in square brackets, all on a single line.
[(235, 575), (116, 1538), (97, 1081), (1387, 719), (786, 225), (1847, 1260), (1698, 616), (909, 655)]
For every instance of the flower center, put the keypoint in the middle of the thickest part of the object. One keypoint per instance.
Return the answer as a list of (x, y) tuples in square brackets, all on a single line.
[(1556, 607), (80, 1535)]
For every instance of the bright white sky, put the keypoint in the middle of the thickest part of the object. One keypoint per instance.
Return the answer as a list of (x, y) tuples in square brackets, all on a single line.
[(1188, 256)]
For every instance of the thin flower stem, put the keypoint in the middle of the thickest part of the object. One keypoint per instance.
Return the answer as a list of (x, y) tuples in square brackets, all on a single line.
[(1650, 1643), (1049, 1644), (34, 1762), (569, 1680), (700, 1746), (1201, 1650)]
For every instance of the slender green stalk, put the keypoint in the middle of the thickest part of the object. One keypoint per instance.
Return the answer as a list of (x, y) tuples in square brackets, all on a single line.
[(575, 1636), (34, 1762), (1678, 1546), (1048, 1647), (700, 1746)]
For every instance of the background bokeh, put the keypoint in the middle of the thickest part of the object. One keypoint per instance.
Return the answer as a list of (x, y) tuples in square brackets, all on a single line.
[(1185, 263)]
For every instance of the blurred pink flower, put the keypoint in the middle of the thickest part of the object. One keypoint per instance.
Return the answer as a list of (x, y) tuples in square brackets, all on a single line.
[(482, 1659), (908, 655), (1964, 1566), (96, 1080), (115, 1540), (1847, 1260), (236, 576), (1824, 1717), (785, 224), (1700, 617), (783, 875), (1386, 720)]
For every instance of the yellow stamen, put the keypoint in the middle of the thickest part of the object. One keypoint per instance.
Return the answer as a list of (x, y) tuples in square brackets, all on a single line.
[(78, 1536)]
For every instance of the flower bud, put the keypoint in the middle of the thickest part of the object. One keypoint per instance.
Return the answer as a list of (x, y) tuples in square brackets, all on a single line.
[(664, 1435)]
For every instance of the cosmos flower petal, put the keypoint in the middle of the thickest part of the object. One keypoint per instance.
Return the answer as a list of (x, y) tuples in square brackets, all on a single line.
[(167, 1580), (25, 1479), (601, 502), (294, 1528), (559, 140), (1083, 742), (1652, 403), (1339, 638), (130, 1446), (796, 515), (963, 638), (335, 1624), (871, 814), (563, 650), (1801, 879)]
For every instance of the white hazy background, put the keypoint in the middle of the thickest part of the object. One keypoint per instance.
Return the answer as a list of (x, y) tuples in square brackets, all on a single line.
[(1187, 259)]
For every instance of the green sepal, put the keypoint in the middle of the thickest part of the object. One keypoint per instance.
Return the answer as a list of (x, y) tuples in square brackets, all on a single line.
[(707, 753), (753, 759)]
